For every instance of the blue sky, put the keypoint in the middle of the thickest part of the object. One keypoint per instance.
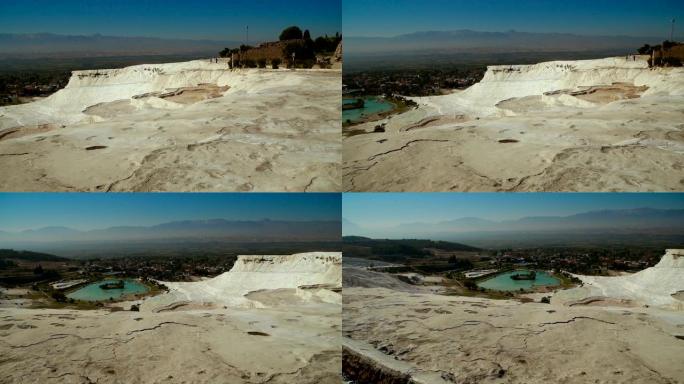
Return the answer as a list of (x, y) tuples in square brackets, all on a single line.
[(202, 19), (19, 211), (588, 17), (384, 209)]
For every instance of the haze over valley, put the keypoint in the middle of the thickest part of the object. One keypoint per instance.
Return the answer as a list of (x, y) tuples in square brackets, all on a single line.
[(604, 227), (198, 230), (441, 49), (50, 45)]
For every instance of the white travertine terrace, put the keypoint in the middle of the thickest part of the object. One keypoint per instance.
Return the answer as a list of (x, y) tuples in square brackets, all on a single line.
[(257, 273), (633, 333), (271, 319), (588, 125), (189, 126), (503, 82), (654, 286)]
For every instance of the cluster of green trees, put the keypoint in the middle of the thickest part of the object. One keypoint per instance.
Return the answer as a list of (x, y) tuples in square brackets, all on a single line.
[(300, 50), (327, 44), (669, 61), (432, 268), (29, 84), (415, 243), (305, 48), (6, 264), (322, 44), (647, 49), (7, 257), (470, 284), (293, 33), (388, 248), (29, 255), (227, 52), (401, 250), (59, 297)]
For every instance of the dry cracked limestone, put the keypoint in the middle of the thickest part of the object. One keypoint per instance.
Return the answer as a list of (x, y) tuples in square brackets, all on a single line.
[(467, 340), (593, 125), (198, 346), (194, 126), (396, 335), (244, 326)]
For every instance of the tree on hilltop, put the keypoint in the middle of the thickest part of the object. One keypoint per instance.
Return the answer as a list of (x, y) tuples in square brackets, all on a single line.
[(667, 44), (327, 44), (307, 35), (291, 33), (303, 51), (645, 50)]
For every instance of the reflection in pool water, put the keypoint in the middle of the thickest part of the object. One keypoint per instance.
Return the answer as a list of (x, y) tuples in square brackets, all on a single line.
[(372, 105), (503, 281), (93, 292)]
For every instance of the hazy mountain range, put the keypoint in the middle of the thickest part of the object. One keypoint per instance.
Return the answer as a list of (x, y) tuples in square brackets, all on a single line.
[(192, 230), (68, 46), (628, 225), (469, 41)]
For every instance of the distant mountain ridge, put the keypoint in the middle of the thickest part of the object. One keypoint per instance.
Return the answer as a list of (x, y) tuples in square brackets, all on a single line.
[(65, 46), (416, 243), (466, 40), (28, 255), (215, 229), (612, 221)]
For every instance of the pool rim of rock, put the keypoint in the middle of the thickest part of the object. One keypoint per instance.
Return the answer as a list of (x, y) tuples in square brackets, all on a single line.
[(120, 297), (532, 287)]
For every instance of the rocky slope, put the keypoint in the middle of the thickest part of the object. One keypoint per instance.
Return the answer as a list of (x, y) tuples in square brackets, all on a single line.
[(591, 125), (250, 325), (192, 126), (393, 336), (661, 285), (316, 273)]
